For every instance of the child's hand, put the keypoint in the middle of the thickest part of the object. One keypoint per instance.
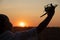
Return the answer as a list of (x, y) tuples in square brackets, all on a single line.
[(50, 9)]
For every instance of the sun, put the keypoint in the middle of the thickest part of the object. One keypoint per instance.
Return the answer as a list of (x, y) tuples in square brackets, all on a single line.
[(22, 24)]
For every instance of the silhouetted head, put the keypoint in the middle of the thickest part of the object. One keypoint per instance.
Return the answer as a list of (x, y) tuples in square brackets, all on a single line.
[(4, 23)]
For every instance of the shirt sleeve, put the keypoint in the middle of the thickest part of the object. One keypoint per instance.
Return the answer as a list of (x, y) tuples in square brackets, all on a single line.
[(27, 34), (32, 32)]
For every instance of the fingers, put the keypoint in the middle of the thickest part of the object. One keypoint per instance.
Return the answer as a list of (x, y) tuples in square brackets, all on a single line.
[(56, 6), (47, 6), (43, 15), (49, 9), (50, 5)]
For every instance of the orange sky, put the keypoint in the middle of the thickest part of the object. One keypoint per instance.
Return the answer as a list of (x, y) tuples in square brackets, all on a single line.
[(28, 11)]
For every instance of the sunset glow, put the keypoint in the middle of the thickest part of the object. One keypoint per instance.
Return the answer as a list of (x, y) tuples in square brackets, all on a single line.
[(28, 12), (22, 24)]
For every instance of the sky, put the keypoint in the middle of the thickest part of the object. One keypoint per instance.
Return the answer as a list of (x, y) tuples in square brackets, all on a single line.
[(28, 11)]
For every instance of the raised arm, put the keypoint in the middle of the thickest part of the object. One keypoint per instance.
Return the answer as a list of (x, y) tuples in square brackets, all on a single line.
[(50, 10)]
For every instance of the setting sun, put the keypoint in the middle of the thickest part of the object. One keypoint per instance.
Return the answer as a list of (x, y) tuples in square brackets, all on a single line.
[(22, 24)]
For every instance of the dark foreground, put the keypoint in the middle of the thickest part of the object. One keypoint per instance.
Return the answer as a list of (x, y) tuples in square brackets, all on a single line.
[(50, 33)]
